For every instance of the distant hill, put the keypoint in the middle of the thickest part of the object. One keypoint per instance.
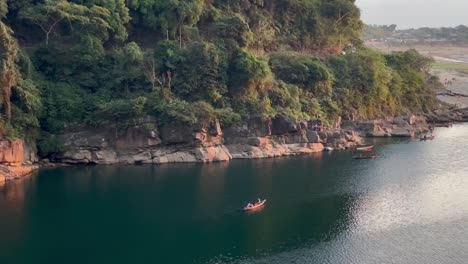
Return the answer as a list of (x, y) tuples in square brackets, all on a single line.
[(425, 35)]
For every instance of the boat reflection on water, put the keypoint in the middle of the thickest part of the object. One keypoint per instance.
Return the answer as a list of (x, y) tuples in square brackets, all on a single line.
[(255, 211)]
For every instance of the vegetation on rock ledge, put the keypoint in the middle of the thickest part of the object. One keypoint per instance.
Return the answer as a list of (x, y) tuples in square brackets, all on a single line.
[(98, 62)]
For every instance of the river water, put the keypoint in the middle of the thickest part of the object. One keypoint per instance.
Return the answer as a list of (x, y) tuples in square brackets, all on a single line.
[(410, 205)]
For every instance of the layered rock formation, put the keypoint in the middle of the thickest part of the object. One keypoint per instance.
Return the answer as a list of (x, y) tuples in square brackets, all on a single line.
[(254, 138), (443, 116), (15, 159), (402, 126)]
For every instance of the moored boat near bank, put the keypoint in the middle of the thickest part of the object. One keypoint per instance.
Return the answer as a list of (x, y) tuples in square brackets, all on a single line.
[(365, 148), (426, 137)]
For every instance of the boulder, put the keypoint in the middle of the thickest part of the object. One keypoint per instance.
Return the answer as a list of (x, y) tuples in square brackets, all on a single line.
[(141, 157), (30, 153), (303, 125), (400, 121), (402, 133), (323, 136), (175, 133), (176, 157), (258, 141), (282, 125), (76, 156), (334, 134), (91, 139), (137, 137), (107, 156), (297, 149), (313, 137), (360, 126), (298, 137), (253, 127), (212, 154), (215, 129)]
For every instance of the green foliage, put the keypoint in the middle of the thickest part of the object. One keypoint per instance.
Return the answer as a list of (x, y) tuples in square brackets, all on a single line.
[(248, 71), (304, 71), (121, 110), (196, 113), (368, 88), (3, 8), (167, 17), (111, 14), (194, 61), (48, 16), (9, 73), (65, 106), (201, 73), (235, 28), (48, 144)]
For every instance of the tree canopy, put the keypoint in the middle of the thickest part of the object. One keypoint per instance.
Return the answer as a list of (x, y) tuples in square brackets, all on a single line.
[(65, 64)]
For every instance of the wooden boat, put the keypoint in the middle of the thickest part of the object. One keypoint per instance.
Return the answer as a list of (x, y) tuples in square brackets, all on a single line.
[(361, 157), (254, 206), (365, 148), (427, 138)]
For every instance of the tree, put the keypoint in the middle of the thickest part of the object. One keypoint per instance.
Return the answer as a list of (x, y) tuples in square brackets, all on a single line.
[(9, 74), (48, 15), (168, 16), (304, 71), (235, 28), (114, 12), (3, 8)]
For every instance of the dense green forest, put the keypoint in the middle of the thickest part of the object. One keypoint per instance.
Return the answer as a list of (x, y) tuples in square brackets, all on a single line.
[(65, 64)]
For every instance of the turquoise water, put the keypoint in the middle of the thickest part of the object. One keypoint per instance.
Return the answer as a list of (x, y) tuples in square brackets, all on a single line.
[(410, 205)]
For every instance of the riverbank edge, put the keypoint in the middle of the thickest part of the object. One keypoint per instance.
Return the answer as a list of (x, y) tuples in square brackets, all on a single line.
[(252, 139)]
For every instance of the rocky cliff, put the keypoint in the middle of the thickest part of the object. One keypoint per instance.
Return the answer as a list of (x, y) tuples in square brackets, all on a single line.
[(402, 126), (175, 142), (16, 159), (443, 116)]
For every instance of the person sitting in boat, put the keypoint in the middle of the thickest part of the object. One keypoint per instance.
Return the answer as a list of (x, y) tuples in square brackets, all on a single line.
[(259, 201), (249, 205)]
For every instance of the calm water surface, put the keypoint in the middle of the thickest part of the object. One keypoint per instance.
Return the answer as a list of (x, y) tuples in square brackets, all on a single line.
[(408, 206)]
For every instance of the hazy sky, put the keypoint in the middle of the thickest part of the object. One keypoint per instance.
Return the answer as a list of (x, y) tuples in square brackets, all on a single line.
[(414, 13)]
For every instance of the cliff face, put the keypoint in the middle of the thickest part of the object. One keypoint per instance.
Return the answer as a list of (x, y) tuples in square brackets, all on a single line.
[(176, 142), (15, 159), (11, 152)]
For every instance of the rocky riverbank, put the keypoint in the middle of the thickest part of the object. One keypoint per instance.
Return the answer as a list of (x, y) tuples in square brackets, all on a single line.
[(251, 139), (402, 126), (254, 138), (441, 117)]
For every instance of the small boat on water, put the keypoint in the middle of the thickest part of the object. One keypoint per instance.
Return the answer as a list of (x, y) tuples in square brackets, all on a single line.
[(426, 137), (362, 157), (365, 148), (328, 149), (254, 206)]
